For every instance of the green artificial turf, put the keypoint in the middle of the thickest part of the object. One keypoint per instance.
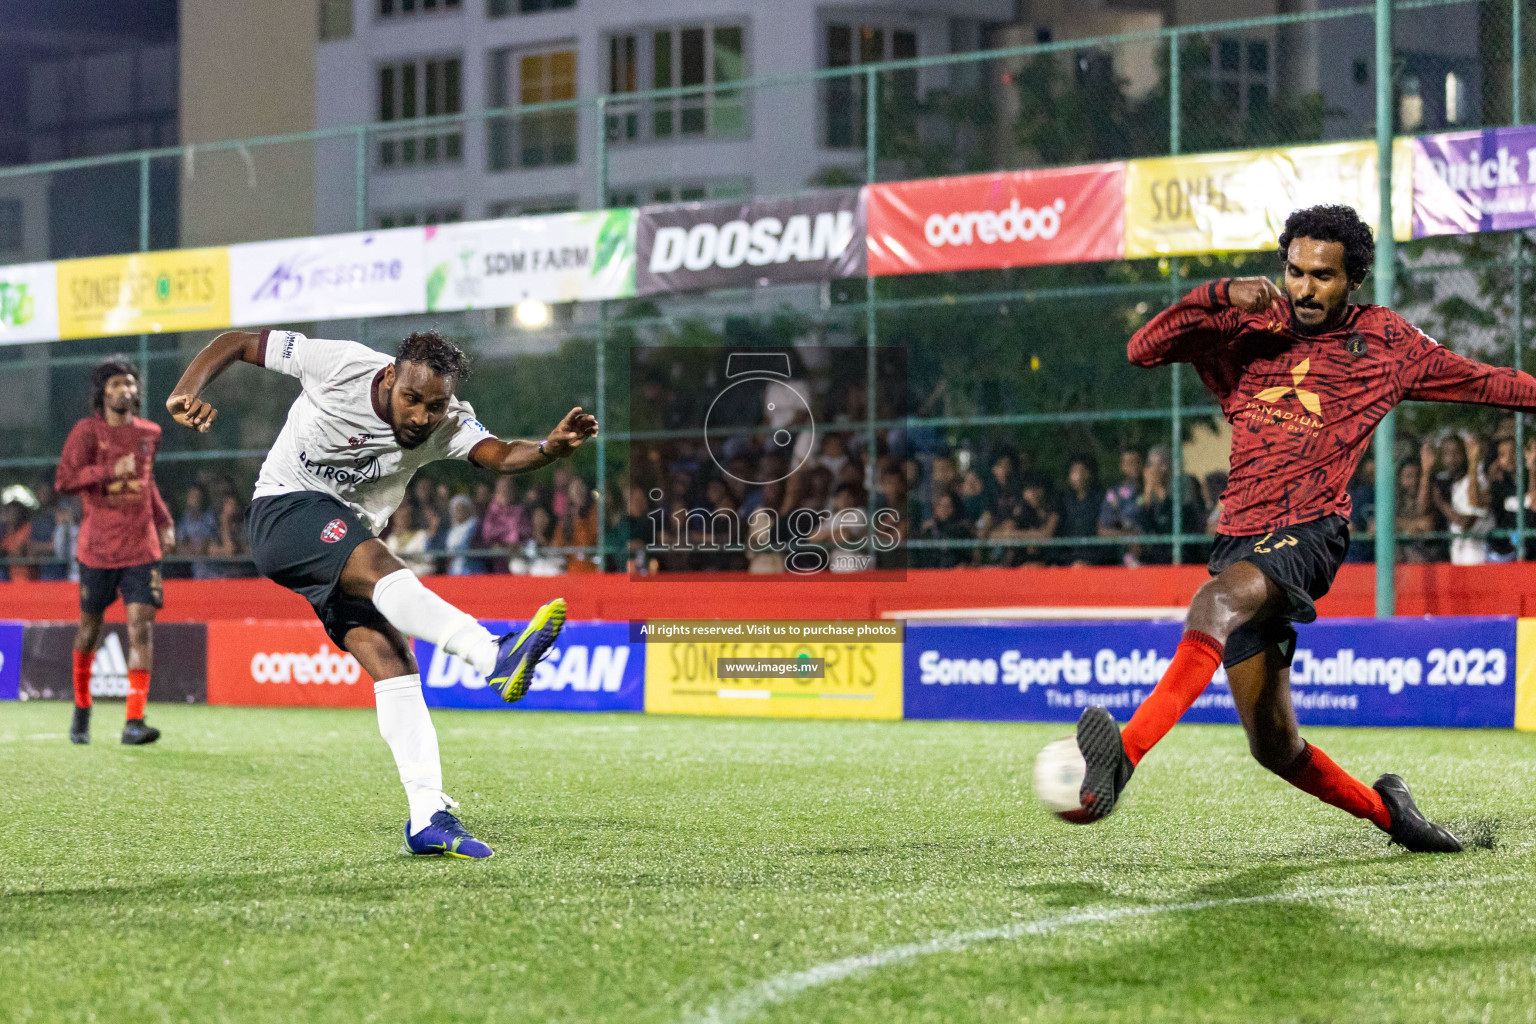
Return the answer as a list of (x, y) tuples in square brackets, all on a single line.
[(679, 869)]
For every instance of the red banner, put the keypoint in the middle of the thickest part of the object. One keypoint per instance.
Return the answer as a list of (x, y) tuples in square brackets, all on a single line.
[(991, 221), (282, 664)]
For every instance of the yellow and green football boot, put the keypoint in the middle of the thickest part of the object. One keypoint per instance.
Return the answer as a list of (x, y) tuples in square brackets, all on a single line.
[(517, 658)]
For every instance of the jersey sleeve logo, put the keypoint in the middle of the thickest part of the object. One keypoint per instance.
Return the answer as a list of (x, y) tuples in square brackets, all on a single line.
[(334, 531), (1308, 399)]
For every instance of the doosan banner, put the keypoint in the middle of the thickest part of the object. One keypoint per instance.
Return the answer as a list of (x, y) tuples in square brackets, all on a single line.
[(687, 246), (369, 273), (1465, 182), (987, 221), (557, 258), (1456, 672), (591, 668)]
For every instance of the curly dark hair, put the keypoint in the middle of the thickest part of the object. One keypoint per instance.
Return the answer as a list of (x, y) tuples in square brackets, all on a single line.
[(114, 366), (1329, 223), (436, 353)]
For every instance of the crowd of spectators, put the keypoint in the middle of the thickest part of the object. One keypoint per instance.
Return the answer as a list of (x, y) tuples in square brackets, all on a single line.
[(1456, 501)]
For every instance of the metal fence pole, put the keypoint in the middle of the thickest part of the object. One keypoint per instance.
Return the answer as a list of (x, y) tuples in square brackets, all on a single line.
[(1518, 291), (360, 172), (143, 247), (1516, 56), (1176, 485), (1386, 281), (602, 351), (871, 338)]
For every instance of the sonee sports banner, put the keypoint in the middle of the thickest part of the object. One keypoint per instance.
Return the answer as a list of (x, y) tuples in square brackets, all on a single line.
[(688, 246), (1457, 672)]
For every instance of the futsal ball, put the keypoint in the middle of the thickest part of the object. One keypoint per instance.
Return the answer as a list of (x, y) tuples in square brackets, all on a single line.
[(1059, 771)]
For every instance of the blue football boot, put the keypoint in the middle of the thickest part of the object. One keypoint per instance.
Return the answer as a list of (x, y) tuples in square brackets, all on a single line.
[(444, 837), (516, 659)]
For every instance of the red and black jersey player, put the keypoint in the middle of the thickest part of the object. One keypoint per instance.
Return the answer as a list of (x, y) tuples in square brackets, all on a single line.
[(1303, 376), (109, 461)]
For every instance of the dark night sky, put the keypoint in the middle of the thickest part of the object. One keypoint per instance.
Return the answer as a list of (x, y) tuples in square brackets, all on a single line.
[(144, 19)]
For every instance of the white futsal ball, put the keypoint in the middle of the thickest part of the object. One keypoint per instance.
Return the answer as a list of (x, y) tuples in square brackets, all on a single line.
[(1059, 772)]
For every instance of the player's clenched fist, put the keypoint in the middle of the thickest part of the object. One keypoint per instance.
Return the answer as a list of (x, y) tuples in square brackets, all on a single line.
[(191, 411), (1254, 294)]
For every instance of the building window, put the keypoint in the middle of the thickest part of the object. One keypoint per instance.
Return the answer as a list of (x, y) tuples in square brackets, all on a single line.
[(845, 104), (417, 218), (533, 207), (404, 8), (335, 20), (708, 61), (527, 78), (11, 237), (1455, 98), (502, 8), (423, 88), (1240, 75), (680, 192)]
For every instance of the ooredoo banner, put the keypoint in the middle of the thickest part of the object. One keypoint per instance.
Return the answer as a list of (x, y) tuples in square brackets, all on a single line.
[(591, 668), (367, 273), (1465, 182), (557, 258), (686, 246), (988, 221), (29, 303), (282, 664), (1410, 672), (1236, 202)]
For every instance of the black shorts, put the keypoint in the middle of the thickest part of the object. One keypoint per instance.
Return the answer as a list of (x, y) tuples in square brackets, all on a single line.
[(302, 541), (1302, 561), (139, 584)]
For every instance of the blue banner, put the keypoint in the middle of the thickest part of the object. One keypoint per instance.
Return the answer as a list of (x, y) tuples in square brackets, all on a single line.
[(1412, 672), (10, 659), (591, 668)]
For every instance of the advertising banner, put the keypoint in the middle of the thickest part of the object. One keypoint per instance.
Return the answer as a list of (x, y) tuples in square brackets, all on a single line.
[(29, 303), (591, 668), (367, 273), (562, 257), (282, 664), (145, 293), (687, 246), (988, 221), (1525, 675), (1464, 182), (1411, 672), (1234, 202), (178, 672), (10, 659), (862, 680)]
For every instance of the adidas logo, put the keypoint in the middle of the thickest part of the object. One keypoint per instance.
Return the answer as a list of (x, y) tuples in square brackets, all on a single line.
[(109, 669)]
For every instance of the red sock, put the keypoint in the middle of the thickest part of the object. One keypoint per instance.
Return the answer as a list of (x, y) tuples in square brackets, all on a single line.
[(82, 678), (1314, 772), (138, 692), (1194, 663)]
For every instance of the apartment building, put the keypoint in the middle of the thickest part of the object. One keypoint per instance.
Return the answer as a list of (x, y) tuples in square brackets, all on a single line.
[(386, 60)]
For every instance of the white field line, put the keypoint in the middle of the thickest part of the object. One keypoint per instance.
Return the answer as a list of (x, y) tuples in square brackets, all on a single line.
[(781, 988)]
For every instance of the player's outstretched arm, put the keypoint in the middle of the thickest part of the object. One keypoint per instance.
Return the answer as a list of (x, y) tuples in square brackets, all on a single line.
[(230, 347), (1433, 373), (522, 456), (1200, 321)]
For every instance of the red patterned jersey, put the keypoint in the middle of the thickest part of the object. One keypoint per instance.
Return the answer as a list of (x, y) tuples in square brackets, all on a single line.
[(122, 517), (1303, 406)]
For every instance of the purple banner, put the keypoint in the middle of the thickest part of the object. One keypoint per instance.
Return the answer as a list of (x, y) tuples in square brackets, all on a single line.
[(1465, 182)]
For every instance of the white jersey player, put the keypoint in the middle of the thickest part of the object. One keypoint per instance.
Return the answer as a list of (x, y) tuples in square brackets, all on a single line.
[(363, 425)]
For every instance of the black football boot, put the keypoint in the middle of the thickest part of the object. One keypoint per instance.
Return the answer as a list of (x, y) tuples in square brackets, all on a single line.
[(1108, 767), (1410, 829), (136, 733)]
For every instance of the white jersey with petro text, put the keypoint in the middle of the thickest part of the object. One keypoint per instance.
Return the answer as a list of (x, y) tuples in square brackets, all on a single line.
[(335, 442)]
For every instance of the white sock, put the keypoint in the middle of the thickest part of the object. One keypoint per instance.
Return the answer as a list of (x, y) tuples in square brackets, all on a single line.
[(415, 611), (407, 728)]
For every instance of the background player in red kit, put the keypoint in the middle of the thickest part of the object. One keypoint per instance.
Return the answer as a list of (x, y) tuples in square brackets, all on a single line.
[(109, 461), (1303, 376)]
